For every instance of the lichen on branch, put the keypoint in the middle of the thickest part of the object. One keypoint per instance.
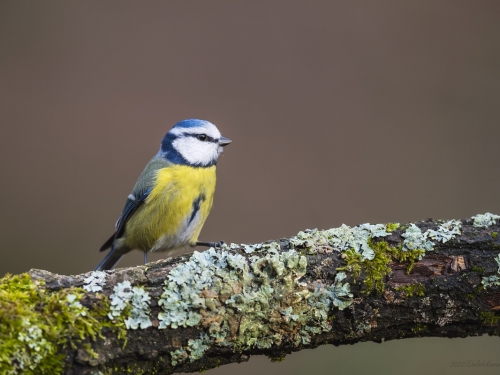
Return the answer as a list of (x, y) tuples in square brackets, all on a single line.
[(341, 285)]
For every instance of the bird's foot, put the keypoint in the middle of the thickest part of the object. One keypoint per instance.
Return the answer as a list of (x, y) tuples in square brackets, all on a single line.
[(145, 257), (211, 244)]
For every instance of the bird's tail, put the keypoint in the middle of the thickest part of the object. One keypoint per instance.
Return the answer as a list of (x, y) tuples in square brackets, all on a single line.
[(110, 260)]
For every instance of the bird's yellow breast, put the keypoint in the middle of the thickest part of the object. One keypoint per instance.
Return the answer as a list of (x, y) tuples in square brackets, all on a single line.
[(175, 210)]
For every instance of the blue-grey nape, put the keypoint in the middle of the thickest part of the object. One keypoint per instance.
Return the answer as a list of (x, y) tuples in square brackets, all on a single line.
[(190, 123)]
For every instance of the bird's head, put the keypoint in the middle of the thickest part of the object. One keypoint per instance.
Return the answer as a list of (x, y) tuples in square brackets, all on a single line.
[(193, 142)]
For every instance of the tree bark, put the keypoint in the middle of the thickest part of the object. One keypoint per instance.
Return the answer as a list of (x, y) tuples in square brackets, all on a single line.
[(450, 292)]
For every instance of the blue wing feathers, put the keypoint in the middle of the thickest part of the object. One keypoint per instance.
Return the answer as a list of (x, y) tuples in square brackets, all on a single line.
[(131, 206)]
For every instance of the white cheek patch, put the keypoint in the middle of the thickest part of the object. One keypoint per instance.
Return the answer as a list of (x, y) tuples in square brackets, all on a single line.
[(196, 151)]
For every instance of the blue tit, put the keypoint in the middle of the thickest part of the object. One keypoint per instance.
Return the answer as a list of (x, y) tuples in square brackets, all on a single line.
[(173, 195)]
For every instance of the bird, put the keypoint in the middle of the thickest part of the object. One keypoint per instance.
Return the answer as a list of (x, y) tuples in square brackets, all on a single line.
[(173, 195)]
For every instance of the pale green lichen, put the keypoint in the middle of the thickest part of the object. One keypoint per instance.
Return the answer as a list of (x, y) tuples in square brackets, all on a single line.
[(489, 281), (445, 232), (416, 240), (485, 220), (178, 356), (244, 303), (358, 238), (198, 347), (131, 305), (340, 293), (95, 281), (194, 350), (250, 248), (342, 238), (493, 280)]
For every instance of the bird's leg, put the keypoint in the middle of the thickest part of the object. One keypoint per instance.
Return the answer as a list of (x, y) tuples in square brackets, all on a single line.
[(210, 244), (145, 257)]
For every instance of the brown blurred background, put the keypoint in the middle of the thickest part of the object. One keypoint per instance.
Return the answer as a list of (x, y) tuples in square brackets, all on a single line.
[(339, 112)]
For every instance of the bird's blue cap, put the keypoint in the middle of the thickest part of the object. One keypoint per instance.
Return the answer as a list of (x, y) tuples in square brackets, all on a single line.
[(190, 123)]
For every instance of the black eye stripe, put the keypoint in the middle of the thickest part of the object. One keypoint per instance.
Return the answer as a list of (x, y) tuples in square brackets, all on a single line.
[(208, 139)]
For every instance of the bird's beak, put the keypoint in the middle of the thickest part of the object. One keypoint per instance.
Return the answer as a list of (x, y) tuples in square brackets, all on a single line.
[(223, 141)]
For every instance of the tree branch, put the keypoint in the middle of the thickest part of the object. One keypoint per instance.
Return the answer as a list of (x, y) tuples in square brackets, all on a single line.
[(190, 313)]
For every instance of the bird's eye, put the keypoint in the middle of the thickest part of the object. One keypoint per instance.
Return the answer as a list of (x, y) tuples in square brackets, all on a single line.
[(202, 137)]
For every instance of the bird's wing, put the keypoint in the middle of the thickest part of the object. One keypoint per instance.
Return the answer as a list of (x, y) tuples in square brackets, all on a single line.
[(135, 200)]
